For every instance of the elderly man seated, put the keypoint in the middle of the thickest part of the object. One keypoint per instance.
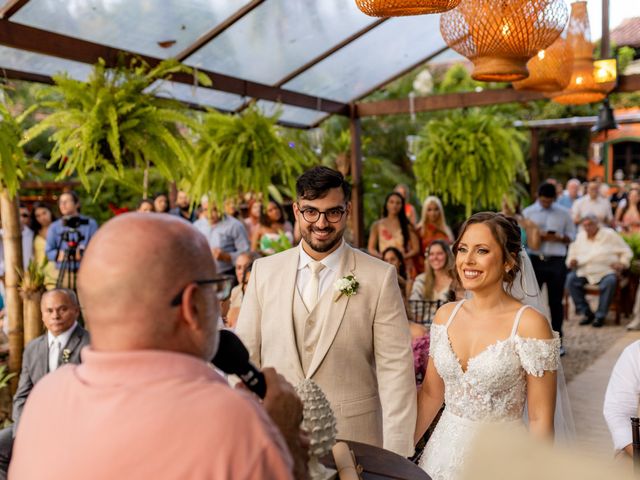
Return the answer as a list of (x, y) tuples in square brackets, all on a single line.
[(596, 257)]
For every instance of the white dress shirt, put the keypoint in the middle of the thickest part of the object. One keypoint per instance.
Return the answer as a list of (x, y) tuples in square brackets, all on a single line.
[(623, 395), (63, 339), (600, 207), (595, 256), (327, 275)]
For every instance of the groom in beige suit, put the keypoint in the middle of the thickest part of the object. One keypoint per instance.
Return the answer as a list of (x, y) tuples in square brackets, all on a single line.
[(356, 347)]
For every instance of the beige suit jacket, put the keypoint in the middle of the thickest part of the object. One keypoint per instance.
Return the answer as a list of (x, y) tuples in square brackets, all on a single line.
[(363, 360)]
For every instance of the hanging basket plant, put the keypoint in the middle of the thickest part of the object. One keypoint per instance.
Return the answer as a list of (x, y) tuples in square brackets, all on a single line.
[(114, 120), (469, 158), (242, 153)]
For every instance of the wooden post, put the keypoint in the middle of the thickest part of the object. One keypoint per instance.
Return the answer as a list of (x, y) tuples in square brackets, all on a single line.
[(534, 172), (12, 243), (605, 49), (357, 211)]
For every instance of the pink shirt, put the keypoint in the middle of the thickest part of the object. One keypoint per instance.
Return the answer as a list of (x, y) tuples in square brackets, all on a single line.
[(144, 415)]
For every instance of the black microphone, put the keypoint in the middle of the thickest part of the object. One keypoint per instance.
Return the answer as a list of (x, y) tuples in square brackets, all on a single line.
[(233, 357)]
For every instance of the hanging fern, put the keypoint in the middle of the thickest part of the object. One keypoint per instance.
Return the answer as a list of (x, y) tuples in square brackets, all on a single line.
[(12, 159), (471, 158), (243, 153), (113, 121)]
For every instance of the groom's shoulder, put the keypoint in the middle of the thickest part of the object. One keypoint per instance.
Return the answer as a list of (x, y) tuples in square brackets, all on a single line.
[(277, 259), (368, 261)]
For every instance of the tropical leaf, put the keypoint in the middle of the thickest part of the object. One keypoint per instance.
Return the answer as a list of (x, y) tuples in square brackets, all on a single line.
[(12, 159)]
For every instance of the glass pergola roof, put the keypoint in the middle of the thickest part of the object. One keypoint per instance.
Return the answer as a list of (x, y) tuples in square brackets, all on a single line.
[(306, 58)]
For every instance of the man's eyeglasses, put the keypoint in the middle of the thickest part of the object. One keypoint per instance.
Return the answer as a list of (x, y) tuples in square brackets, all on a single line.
[(333, 215), (221, 286)]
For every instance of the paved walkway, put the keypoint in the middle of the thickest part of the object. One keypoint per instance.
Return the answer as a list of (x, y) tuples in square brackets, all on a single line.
[(586, 393)]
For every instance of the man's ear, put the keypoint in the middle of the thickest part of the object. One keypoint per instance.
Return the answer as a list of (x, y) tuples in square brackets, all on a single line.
[(189, 307), (296, 210)]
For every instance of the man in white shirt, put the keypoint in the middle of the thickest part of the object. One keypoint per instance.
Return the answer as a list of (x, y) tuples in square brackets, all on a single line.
[(596, 257), (592, 204), (622, 398)]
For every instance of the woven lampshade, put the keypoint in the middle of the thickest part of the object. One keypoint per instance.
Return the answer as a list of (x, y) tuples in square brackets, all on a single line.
[(582, 87), (500, 37), (400, 8), (549, 70)]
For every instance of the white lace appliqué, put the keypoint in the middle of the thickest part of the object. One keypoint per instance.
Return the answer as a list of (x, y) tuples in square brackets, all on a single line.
[(492, 389)]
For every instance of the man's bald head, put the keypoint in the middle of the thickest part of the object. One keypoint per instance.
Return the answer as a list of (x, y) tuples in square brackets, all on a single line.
[(132, 268)]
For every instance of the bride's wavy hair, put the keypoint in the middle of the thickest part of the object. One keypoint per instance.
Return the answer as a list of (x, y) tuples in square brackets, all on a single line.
[(506, 232)]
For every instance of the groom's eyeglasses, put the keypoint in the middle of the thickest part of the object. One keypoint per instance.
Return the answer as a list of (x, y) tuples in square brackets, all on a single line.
[(312, 215), (221, 285)]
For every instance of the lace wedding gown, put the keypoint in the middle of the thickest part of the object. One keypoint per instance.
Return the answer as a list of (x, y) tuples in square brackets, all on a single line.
[(492, 389)]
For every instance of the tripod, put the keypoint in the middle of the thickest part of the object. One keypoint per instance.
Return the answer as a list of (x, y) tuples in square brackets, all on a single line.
[(69, 264)]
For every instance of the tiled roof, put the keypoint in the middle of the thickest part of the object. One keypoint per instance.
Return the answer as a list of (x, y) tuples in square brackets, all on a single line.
[(627, 33)]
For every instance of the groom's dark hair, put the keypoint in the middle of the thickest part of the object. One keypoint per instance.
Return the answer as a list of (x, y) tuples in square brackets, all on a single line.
[(317, 181)]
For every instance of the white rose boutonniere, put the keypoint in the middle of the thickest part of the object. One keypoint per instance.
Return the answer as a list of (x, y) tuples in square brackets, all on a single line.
[(66, 355), (346, 286)]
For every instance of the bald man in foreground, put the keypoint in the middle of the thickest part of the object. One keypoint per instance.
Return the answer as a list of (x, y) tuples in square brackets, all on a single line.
[(145, 403)]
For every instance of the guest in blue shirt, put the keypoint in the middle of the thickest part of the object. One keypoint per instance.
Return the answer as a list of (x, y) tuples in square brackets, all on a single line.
[(226, 235), (570, 195), (556, 232), (59, 236)]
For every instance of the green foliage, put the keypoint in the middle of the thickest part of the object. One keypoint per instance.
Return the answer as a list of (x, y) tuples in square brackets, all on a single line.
[(114, 121), (625, 57), (242, 153), (12, 159), (633, 240), (5, 377), (34, 277), (470, 158)]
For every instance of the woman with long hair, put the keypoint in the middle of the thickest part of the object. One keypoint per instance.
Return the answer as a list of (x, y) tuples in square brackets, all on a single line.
[(438, 280), (42, 217), (394, 230), (274, 233), (393, 256), (252, 222), (433, 224), (628, 214), (161, 203), (490, 354)]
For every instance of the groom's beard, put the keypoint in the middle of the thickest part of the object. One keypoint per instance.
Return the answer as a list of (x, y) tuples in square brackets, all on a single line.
[(324, 245)]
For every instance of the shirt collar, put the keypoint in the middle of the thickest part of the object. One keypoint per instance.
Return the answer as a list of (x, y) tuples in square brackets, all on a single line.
[(63, 338), (331, 261)]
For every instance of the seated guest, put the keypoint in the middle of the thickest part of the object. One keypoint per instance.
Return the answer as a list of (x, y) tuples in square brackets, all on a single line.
[(226, 235), (394, 257), (243, 270), (622, 398), (61, 344), (596, 257), (628, 213), (145, 403), (161, 203), (145, 206), (268, 237), (437, 281), (592, 204), (183, 208)]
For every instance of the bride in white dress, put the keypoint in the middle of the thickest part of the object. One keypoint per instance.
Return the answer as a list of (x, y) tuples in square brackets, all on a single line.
[(489, 355)]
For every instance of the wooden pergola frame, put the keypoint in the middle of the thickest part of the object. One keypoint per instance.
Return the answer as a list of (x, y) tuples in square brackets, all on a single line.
[(40, 41)]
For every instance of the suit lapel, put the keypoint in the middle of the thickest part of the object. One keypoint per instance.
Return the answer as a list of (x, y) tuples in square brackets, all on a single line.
[(42, 358), (288, 284), (72, 344), (335, 312)]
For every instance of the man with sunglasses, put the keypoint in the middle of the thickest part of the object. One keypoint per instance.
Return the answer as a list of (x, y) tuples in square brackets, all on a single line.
[(146, 402), (330, 313)]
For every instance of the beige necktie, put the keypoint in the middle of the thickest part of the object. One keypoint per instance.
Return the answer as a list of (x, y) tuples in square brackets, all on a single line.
[(310, 294), (54, 354)]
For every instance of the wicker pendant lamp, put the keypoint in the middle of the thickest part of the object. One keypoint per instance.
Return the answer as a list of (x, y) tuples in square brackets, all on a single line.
[(400, 8), (549, 70), (582, 87), (500, 37)]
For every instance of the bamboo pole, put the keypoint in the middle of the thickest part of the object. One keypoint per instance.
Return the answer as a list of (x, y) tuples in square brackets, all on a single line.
[(33, 326), (12, 243)]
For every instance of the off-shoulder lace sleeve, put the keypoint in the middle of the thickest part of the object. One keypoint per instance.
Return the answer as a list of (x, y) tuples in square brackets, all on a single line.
[(538, 356)]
